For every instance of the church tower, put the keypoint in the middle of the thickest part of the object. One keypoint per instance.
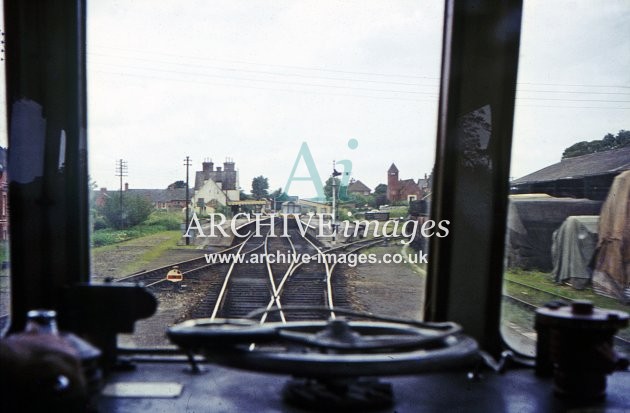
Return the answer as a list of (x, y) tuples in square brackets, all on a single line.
[(392, 183)]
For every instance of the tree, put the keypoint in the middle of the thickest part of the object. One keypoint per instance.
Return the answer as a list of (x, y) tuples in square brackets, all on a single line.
[(243, 196), (623, 138), (577, 149), (277, 193), (381, 189), (92, 185), (177, 185), (363, 200), (380, 196), (607, 143), (260, 185), (380, 200), (609, 140), (278, 197), (135, 210), (328, 187)]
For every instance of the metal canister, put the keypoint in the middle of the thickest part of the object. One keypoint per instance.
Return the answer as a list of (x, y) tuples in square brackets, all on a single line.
[(575, 344), (42, 322), (45, 322)]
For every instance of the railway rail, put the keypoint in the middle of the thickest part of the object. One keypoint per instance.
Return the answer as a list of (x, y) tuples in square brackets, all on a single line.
[(247, 288), (234, 289), (265, 285), (622, 342), (190, 267)]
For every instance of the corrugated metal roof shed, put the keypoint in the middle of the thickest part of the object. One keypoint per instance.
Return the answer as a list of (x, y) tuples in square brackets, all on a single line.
[(593, 164)]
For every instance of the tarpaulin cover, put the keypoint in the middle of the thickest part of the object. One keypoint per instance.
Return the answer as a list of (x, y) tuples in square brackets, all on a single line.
[(573, 248), (612, 266), (532, 219)]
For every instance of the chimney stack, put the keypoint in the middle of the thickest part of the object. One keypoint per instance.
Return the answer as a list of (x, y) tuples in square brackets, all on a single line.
[(208, 166), (228, 165)]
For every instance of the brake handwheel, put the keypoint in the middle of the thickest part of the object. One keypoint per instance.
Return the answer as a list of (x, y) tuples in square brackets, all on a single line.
[(332, 357)]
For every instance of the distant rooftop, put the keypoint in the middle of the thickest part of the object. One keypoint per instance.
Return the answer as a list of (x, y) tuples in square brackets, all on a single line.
[(358, 186), (599, 163), (154, 195)]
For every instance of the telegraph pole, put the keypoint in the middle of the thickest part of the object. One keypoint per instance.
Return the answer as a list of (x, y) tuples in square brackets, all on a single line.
[(335, 174), (187, 164), (121, 170)]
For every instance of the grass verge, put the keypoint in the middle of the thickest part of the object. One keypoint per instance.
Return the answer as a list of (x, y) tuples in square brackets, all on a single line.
[(170, 241), (158, 221), (549, 291), (544, 282)]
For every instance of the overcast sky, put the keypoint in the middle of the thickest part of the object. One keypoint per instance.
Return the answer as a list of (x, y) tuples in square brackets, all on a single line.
[(253, 80)]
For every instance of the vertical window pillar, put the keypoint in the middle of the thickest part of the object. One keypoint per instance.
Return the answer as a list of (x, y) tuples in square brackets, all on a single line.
[(46, 110), (470, 189)]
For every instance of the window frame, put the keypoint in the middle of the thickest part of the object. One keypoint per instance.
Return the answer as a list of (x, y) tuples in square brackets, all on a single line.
[(46, 51)]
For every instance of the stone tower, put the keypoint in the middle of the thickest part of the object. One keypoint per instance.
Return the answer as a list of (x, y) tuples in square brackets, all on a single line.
[(392, 183)]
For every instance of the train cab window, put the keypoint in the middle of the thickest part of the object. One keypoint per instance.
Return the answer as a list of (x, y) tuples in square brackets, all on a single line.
[(319, 189), (570, 154), (257, 112)]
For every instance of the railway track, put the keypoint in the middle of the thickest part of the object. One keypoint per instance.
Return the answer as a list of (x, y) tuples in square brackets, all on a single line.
[(622, 341), (236, 290), (293, 282), (307, 286), (156, 276)]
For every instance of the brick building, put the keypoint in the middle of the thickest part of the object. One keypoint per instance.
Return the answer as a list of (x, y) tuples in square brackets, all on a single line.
[(215, 187), (226, 176), (401, 189)]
